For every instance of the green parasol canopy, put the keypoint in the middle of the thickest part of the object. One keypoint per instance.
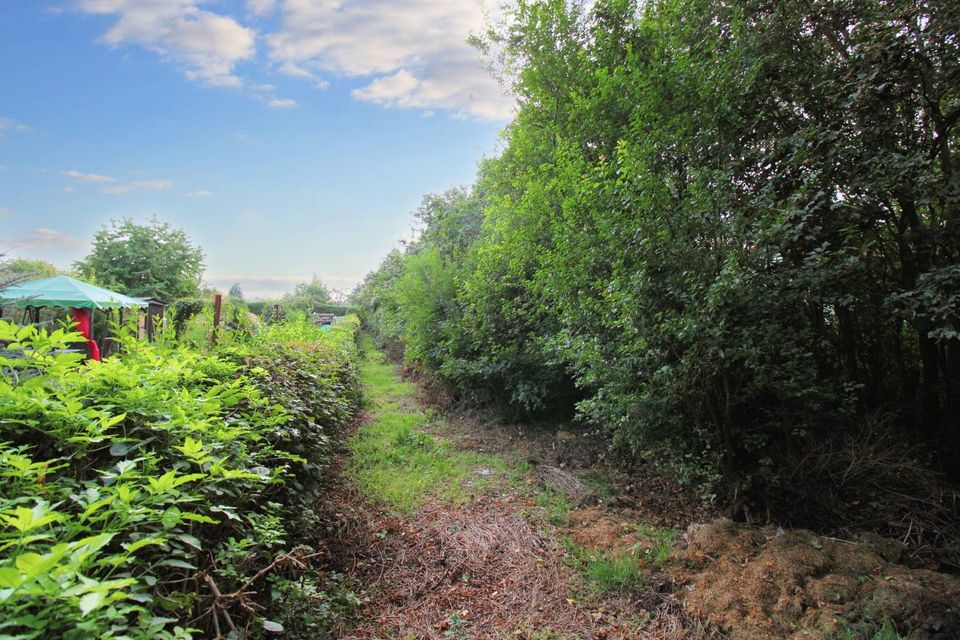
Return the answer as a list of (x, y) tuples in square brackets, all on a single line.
[(64, 291)]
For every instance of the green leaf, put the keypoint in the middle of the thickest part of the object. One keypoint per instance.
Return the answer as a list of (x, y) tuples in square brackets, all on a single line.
[(190, 540), (10, 577), (91, 601)]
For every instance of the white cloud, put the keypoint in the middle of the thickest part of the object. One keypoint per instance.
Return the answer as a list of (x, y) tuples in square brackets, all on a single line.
[(4, 212), (3, 167), (415, 52), (260, 7), (295, 71), (44, 239), (153, 184), (117, 190), (69, 189), (9, 124), (203, 193), (281, 103), (207, 45), (87, 177)]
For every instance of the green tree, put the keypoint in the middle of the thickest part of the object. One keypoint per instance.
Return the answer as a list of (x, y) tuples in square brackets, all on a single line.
[(307, 297), (733, 225), (153, 259), (24, 268), (236, 292)]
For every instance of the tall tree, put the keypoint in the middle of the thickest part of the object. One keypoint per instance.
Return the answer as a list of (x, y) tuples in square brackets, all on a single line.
[(153, 259), (236, 292)]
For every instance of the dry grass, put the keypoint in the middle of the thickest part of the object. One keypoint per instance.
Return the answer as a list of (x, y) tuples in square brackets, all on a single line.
[(482, 570)]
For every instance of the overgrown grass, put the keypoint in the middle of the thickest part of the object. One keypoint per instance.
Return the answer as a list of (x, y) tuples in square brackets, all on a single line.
[(397, 461), (606, 572)]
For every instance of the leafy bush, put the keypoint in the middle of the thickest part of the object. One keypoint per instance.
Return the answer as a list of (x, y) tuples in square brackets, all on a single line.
[(157, 494), (731, 248)]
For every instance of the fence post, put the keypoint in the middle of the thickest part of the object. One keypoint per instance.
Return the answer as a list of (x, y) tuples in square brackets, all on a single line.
[(217, 301)]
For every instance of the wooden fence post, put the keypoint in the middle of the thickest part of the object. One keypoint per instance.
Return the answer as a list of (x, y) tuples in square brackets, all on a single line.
[(217, 301)]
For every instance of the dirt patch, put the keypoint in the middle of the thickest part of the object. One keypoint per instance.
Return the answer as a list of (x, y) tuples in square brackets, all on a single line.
[(478, 569), (766, 584), (598, 529), (482, 570), (640, 491)]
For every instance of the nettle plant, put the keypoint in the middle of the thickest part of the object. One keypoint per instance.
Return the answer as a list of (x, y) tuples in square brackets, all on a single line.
[(143, 496)]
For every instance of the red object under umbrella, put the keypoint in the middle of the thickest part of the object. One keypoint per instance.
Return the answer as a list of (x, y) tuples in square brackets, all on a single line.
[(83, 318), (64, 292)]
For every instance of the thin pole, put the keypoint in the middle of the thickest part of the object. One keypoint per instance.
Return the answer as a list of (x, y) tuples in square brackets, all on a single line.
[(217, 302)]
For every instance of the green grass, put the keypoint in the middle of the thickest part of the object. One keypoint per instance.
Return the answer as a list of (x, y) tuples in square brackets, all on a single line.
[(606, 572), (871, 631), (556, 506), (664, 539), (396, 461), (598, 481)]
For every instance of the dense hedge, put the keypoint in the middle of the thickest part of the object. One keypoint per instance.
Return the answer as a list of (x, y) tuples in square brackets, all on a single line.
[(733, 227), (167, 493)]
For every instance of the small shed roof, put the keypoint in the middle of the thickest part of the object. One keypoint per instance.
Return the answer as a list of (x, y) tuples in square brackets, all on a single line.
[(67, 292)]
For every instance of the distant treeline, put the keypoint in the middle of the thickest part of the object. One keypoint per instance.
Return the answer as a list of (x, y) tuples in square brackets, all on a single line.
[(727, 232), (263, 307)]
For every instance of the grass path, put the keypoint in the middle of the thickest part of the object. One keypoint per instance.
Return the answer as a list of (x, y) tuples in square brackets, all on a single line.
[(397, 461), (456, 543), (447, 540)]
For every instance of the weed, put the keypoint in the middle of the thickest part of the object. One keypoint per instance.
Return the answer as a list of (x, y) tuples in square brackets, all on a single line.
[(457, 627)]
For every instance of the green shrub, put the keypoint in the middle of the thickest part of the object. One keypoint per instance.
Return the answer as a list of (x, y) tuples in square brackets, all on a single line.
[(134, 490)]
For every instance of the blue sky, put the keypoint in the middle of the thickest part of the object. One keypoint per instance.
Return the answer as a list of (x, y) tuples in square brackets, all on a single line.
[(288, 137)]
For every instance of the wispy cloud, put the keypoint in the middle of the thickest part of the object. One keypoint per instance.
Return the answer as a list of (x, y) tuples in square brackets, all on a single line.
[(153, 185), (4, 212), (416, 52), (117, 190), (44, 239), (281, 103), (88, 177), (10, 125), (202, 193), (206, 45)]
